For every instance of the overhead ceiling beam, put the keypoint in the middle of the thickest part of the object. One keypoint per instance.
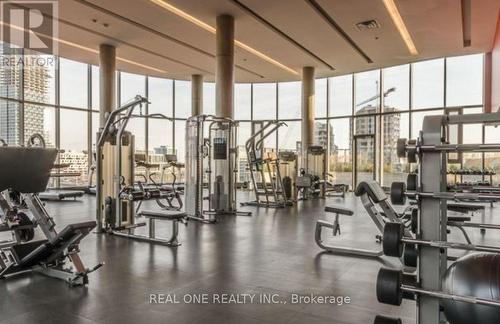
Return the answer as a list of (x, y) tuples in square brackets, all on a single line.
[(116, 40), (269, 25), (322, 12), (157, 33)]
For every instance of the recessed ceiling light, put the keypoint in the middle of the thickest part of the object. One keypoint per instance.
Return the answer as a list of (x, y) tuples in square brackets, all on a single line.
[(213, 30), (398, 21)]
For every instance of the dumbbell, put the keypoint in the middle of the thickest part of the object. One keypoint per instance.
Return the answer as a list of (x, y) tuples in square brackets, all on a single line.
[(394, 242), (399, 193)]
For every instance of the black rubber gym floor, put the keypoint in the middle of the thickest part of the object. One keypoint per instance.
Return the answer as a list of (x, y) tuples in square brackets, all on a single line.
[(271, 252)]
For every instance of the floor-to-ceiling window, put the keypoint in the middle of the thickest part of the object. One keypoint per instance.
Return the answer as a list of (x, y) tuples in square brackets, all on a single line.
[(61, 102)]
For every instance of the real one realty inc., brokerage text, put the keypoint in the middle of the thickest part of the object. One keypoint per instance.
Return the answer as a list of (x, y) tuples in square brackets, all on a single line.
[(246, 298)]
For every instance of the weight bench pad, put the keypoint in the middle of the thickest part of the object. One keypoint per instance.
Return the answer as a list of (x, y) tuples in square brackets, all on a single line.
[(372, 189), (339, 210), (168, 215)]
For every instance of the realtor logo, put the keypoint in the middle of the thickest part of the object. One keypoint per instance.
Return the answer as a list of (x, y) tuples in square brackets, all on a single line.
[(31, 25)]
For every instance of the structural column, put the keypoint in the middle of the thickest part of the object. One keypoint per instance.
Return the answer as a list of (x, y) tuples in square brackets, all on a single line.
[(196, 94), (308, 113), (107, 81), (224, 74)]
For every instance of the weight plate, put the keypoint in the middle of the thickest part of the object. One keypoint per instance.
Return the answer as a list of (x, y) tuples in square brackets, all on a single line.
[(401, 147), (398, 190), (391, 242), (411, 182), (389, 287), (410, 255)]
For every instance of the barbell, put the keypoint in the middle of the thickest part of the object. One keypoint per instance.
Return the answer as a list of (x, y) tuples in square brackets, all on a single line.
[(399, 193), (411, 148), (469, 293), (390, 290), (394, 241)]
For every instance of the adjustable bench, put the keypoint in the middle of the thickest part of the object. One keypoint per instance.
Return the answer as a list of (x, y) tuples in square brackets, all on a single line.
[(174, 216)]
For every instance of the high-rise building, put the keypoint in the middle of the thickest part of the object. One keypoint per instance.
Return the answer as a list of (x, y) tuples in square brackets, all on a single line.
[(34, 79), (321, 136)]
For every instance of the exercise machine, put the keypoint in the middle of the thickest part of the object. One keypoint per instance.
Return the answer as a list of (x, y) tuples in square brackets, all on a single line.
[(211, 167), (380, 211), (24, 172), (467, 291), (288, 171), (265, 171), (115, 188)]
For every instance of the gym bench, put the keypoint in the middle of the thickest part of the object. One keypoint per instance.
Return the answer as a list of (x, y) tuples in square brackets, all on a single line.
[(165, 215), (335, 226)]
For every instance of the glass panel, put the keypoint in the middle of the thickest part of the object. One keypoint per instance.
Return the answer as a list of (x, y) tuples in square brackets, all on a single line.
[(320, 98), (95, 128), (341, 95), (492, 160), (340, 161), (74, 84), (395, 126), (264, 101), (321, 134), (182, 99), (40, 81), (428, 84), (131, 86), (417, 118), (160, 135), (10, 114), (364, 125), (209, 98), (180, 140), (160, 94), (289, 101), (10, 76), (137, 126), (74, 147), (289, 136), (242, 101), (244, 132), (40, 120), (367, 92), (95, 87), (160, 143), (464, 80), (364, 154), (396, 88)]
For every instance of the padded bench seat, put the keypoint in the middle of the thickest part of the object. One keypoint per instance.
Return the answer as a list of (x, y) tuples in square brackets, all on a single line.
[(339, 210), (162, 214)]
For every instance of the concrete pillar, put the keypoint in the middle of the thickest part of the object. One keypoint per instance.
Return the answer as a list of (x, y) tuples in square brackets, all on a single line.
[(308, 113), (196, 94), (107, 81), (224, 74)]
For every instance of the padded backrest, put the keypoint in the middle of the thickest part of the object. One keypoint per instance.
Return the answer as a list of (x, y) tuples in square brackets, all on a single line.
[(372, 189), (26, 169)]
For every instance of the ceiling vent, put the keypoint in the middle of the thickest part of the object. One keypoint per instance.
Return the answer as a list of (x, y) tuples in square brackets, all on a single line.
[(368, 25)]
